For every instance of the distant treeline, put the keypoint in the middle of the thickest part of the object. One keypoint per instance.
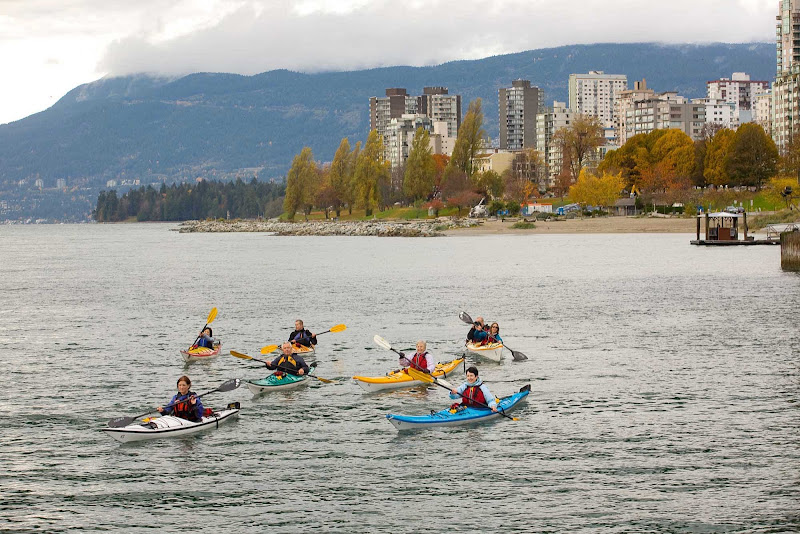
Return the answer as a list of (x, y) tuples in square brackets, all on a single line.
[(187, 201)]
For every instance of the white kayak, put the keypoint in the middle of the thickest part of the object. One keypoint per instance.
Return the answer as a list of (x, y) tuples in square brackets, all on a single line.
[(492, 352), (169, 426)]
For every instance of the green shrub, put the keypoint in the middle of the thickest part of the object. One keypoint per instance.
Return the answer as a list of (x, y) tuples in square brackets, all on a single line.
[(523, 225)]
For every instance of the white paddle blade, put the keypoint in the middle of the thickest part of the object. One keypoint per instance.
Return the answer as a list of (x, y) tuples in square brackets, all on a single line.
[(464, 316), (382, 342), (445, 383)]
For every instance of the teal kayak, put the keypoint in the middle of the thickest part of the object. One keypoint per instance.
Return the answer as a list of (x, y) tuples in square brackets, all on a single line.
[(465, 416), (278, 381)]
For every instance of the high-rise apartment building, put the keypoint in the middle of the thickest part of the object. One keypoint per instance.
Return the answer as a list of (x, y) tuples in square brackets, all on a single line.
[(394, 105), (739, 91), (762, 111), (400, 134), (441, 107), (519, 105), (435, 104), (641, 110), (594, 94), (547, 124), (785, 91)]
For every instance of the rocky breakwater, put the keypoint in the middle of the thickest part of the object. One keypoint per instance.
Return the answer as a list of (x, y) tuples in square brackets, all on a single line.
[(415, 228)]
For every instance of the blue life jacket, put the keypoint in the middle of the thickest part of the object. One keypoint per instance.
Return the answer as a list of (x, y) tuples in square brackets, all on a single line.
[(203, 342)]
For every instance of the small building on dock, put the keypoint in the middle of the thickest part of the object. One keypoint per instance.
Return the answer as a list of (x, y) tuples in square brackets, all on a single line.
[(725, 228)]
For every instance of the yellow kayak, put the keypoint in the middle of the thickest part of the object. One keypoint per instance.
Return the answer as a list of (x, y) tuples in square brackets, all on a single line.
[(401, 379), (302, 350)]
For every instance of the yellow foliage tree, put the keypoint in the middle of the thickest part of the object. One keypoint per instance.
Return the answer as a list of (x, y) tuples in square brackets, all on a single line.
[(717, 150), (591, 190), (776, 186)]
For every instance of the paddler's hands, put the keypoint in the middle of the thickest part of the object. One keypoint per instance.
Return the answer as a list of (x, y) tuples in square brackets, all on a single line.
[(193, 399), (160, 409), (494, 409), (301, 372), (454, 391)]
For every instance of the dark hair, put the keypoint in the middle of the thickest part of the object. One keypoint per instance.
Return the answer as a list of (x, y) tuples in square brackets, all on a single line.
[(184, 378), (210, 333), (473, 370)]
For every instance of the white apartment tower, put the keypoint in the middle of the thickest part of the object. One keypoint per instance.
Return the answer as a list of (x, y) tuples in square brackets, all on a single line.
[(547, 124), (739, 91), (519, 105), (594, 94), (641, 110), (786, 118)]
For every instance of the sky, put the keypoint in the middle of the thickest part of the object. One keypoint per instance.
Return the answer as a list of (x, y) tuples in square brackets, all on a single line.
[(48, 47)]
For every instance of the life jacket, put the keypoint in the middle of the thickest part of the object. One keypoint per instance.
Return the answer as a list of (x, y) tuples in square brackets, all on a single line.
[(203, 342), (420, 361), (473, 396), (301, 337), (185, 409), (292, 366)]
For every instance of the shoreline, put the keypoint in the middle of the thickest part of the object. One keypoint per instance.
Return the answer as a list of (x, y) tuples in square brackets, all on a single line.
[(448, 227)]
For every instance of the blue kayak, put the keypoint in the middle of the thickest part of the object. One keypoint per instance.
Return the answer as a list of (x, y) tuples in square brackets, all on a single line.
[(465, 416)]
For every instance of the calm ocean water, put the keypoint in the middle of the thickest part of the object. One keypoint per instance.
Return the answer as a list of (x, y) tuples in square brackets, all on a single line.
[(665, 383)]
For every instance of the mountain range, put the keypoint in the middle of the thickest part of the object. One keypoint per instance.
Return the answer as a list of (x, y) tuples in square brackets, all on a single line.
[(216, 125)]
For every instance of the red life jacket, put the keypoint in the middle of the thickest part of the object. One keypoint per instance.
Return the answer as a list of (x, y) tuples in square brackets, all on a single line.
[(420, 361), (473, 396), (185, 410)]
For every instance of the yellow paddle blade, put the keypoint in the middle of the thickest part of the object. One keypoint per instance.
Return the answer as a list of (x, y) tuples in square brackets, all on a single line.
[(338, 328), (268, 349), (211, 316), (419, 375), (240, 355)]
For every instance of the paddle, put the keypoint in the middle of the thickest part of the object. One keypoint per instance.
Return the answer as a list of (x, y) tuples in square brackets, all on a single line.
[(386, 345), (337, 328), (228, 385), (433, 380), (211, 316), (518, 356), (246, 357)]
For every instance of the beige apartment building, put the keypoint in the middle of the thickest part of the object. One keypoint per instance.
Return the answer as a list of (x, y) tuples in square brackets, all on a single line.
[(642, 110), (594, 94), (740, 92), (762, 111)]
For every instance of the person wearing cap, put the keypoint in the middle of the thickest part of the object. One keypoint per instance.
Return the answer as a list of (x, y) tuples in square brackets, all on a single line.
[(301, 336), (293, 364), (421, 360), (474, 393), (477, 334)]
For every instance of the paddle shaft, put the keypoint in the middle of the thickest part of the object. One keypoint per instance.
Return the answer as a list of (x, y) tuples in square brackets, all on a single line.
[(281, 368)]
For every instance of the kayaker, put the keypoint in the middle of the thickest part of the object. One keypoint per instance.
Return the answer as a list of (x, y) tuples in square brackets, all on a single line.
[(185, 404), (474, 393), (301, 336), (494, 334), (294, 364), (477, 334), (421, 360), (205, 339)]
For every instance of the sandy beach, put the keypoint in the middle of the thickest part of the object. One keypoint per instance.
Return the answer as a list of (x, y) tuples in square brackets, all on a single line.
[(598, 225)]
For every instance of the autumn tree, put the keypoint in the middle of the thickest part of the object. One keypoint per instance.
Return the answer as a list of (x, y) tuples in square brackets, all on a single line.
[(518, 187), (716, 172), (490, 183), (327, 197), (790, 157), (370, 171), (591, 190), (302, 183), (420, 167), (469, 140), (753, 156), (579, 142), (340, 176)]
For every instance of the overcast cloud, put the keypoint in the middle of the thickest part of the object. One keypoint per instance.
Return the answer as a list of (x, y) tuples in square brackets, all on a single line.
[(47, 47)]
